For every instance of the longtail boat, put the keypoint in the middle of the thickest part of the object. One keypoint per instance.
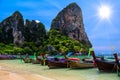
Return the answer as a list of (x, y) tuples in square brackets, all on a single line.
[(76, 64), (104, 65), (27, 60), (60, 63), (36, 61), (7, 57), (87, 60), (39, 60), (57, 63)]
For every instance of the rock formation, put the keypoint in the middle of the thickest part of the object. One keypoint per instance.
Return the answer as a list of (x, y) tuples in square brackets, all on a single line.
[(34, 31), (13, 30), (70, 22)]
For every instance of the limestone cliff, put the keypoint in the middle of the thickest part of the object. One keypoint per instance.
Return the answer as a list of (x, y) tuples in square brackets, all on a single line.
[(69, 21), (12, 29)]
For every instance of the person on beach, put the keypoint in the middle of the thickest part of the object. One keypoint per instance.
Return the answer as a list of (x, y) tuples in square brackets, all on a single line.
[(27, 55)]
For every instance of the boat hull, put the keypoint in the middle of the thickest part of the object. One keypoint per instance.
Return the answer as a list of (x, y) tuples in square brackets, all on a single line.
[(104, 65), (57, 64), (74, 64)]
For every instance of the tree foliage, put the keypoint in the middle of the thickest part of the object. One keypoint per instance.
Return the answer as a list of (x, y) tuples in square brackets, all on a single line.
[(63, 43)]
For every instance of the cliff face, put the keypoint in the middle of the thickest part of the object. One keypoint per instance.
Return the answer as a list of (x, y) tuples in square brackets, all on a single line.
[(34, 31), (69, 21), (13, 30)]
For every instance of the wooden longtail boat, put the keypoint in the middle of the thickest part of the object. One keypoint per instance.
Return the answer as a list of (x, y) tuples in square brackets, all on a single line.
[(76, 64), (60, 63), (7, 57), (117, 63), (43, 59), (44, 62), (104, 65), (27, 60), (87, 60), (57, 63), (90, 60), (37, 61)]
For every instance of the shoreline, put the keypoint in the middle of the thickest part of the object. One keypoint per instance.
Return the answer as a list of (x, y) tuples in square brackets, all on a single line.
[(16, 70)]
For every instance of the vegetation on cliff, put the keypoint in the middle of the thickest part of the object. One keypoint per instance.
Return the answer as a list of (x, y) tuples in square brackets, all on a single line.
[(54, 38)]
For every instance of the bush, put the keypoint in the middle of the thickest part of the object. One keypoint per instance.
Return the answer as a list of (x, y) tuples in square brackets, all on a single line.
[(27, 50)]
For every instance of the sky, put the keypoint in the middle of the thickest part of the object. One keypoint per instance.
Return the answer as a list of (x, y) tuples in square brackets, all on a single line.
[(102, 33)]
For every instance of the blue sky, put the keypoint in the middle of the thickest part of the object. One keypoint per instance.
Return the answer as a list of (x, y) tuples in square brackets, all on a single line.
[(103, 34)]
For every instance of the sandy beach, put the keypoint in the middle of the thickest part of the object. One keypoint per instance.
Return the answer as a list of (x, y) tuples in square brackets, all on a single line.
[(16, 70), (7, 75)]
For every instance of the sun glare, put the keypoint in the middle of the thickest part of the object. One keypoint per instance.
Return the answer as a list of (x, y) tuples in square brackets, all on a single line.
[(104, 12)]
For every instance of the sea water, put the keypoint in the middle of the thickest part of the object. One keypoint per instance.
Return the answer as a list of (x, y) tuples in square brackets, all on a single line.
[(107, 52)]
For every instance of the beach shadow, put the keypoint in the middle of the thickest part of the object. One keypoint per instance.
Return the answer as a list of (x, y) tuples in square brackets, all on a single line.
[(46, 69), (80, 68), (105, 72)]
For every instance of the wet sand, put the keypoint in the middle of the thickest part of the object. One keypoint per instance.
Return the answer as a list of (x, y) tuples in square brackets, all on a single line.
[(16, 70)]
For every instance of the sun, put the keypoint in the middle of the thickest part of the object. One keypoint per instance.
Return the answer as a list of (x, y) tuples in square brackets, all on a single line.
[(104, 12)]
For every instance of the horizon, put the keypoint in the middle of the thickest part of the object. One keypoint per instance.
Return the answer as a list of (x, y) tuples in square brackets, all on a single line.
[(102, 33)]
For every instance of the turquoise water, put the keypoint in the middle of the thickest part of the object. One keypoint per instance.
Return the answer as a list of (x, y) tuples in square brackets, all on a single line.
[(107, 53), (57, 74)]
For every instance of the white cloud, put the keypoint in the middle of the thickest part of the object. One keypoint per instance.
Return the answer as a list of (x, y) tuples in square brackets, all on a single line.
[(37, 21)]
